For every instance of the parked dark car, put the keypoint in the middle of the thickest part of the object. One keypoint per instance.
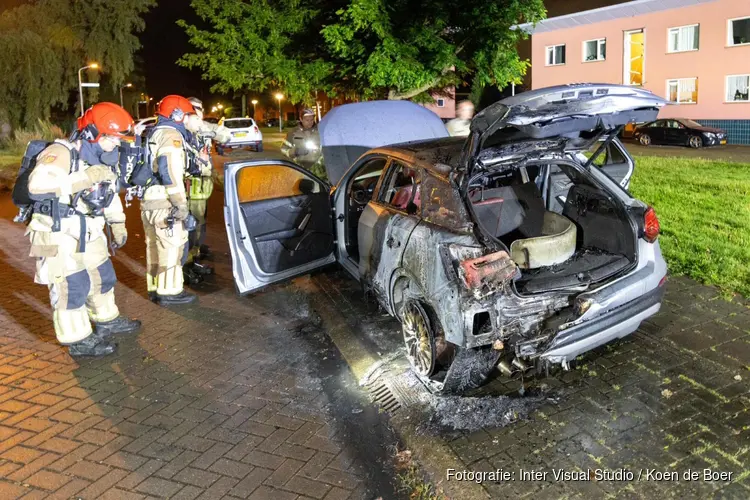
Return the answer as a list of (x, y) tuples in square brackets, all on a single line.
[(679, 132)]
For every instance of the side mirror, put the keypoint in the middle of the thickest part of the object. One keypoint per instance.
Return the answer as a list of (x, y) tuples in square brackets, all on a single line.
[(307, 186)]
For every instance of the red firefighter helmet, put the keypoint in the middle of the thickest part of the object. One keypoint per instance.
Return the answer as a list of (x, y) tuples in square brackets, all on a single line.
[(175, 107), (104, 118)]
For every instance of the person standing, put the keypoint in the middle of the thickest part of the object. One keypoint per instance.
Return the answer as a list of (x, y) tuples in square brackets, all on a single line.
[(75, 196), (302, 144), (164, 207), (200, 186), (460, 126)]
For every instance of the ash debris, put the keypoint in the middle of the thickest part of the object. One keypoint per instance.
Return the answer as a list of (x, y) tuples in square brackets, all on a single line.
[(457, 413), (447, 415)]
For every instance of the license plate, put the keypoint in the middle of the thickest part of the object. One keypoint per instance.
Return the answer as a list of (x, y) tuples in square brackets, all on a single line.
[(240, 134), (723, 141)]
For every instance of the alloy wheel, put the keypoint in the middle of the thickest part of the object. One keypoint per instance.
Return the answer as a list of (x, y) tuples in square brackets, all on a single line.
[(695, 141), (645, 139), (418, 338)]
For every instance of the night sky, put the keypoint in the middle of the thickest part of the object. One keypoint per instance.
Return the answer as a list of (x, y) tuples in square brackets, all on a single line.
[(163, 44)]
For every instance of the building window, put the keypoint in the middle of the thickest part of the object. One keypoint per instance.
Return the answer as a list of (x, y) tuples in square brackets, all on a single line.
[(441, 103), (684, 38), (683, 90), (595, 50), (556, 55), (738, 88), (738, 31)]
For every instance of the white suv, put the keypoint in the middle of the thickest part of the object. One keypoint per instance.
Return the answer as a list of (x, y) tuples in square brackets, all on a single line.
[(245, 132)]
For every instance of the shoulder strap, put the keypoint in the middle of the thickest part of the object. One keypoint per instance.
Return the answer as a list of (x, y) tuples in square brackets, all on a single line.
[(74, 156)]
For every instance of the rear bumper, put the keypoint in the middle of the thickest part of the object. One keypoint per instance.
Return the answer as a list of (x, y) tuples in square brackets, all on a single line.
[(240, 144), (612, 325)]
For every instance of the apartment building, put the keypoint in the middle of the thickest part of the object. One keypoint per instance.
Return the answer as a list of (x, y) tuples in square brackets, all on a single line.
[(694, 53)]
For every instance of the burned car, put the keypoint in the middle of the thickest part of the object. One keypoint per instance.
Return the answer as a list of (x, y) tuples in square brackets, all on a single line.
[(516, 248)]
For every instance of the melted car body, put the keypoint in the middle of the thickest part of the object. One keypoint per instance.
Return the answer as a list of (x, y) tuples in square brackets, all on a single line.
[(513, 248)]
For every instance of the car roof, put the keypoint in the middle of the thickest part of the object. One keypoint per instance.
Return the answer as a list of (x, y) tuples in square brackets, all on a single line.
[(238, 118), (439, 156)]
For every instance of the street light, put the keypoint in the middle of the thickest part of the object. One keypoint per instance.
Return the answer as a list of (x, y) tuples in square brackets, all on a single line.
[(80, 83), (280, 96), (254, 101), (127, 85)]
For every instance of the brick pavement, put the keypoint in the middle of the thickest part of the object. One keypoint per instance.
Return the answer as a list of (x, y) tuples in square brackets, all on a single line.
[(233, 398), (671, 397), (247, 398)]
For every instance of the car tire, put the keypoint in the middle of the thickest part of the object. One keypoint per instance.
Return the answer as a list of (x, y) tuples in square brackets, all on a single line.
[(259, 148), (644, 140), (695, 142)]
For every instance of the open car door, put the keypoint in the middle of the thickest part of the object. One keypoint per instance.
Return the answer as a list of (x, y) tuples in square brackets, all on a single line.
[(278, 218)]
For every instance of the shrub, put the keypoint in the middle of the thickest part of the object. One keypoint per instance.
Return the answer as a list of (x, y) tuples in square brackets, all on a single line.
[(20, 138)]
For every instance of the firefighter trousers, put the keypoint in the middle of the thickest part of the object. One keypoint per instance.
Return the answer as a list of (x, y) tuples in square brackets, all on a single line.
[(166, 252), (81, 286), (197, 237)]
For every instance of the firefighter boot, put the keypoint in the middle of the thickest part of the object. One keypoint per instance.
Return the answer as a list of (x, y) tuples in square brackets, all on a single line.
[(118, 326), (173, 300), (93, 346)]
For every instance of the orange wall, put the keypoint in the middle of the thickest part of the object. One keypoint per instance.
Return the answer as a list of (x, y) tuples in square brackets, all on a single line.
[(710, 64)]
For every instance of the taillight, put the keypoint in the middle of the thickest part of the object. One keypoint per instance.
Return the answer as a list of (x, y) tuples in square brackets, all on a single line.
[(651, 227), (256, 129)]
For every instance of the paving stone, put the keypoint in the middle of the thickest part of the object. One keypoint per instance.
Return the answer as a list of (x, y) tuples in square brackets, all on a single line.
[(47, 480), (196, 477), (159, 487)]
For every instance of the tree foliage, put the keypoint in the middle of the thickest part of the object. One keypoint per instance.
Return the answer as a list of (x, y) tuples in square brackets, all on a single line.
[(407, 47), (395, 48), (259, 45), (43, 43)]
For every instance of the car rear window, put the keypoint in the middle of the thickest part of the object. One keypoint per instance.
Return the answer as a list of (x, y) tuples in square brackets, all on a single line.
[(238, 123)]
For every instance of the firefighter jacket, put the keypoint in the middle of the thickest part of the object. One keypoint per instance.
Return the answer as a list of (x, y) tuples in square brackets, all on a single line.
[(54, 177)]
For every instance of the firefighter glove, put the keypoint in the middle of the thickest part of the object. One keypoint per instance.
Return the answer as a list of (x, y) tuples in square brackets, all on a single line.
[(100, 173), (119, 234), (180, 212)]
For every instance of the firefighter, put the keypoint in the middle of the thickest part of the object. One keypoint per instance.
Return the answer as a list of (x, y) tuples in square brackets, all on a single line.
[(164, 208), (74, 197), (199, 188), (302, 144)]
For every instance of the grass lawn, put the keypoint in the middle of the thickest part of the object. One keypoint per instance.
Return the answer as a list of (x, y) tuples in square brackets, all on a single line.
[(704, 210)]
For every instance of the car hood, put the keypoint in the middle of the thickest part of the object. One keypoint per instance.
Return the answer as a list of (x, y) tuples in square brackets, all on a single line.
[(710, 129), (348, 131), (562, 112)]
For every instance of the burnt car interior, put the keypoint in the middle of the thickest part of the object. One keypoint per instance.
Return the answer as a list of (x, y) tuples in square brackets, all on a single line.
[(361, 189), (287, 228), (570, 232)]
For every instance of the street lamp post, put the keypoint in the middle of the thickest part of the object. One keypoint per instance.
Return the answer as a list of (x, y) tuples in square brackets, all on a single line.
[(279, 97), (80, 83), (127, 85), (254, 102)]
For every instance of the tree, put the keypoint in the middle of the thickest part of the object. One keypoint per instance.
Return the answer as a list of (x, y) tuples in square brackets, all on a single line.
[(43, 43), (258, 45), (408, 47), (399, 49)]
